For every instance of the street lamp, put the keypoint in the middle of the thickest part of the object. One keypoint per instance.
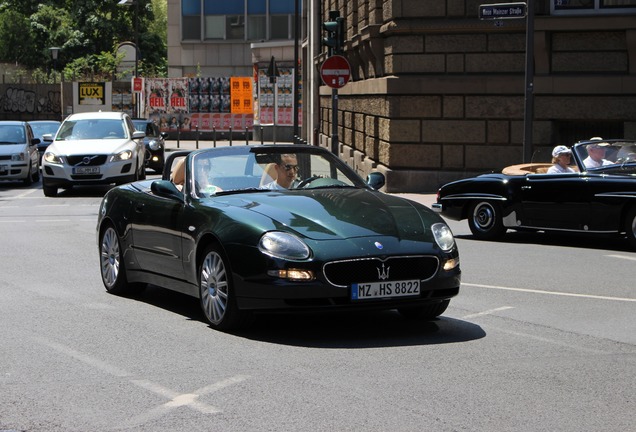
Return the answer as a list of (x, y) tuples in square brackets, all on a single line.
[(55, 52), (136, 3)]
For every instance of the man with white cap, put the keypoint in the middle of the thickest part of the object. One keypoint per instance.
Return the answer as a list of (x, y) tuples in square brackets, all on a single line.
[(596, 154), (561, 160)]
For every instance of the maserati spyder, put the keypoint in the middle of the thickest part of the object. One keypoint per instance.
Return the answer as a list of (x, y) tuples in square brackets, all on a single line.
[(291, 228)]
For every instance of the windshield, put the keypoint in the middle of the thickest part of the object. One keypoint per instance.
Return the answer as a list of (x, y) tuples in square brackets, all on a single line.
[(91, 129), (265, 169), (40, 129), (12, 134), (604, 155)]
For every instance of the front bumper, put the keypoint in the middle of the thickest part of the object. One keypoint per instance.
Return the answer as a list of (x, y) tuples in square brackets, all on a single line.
[(116, 172)]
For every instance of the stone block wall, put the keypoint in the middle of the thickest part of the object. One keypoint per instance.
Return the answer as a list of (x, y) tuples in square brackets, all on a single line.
[(438, 95)]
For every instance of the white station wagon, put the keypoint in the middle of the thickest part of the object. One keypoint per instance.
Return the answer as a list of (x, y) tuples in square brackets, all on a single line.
[(93, 149)]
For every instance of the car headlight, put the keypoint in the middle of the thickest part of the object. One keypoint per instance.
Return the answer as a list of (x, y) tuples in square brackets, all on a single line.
[(283, 245), (443, 236), (154, 145), (122, 156), (52, 158)]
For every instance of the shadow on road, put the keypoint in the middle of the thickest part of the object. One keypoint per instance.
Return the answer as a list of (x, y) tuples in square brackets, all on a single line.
[(587, 241), (330, 330)]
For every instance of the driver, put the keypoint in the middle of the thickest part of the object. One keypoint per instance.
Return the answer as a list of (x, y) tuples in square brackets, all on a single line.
[(596, 154), (285, 171)]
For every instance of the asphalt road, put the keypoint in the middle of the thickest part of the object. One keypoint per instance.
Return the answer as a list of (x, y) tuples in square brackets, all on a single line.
[(541, 338)]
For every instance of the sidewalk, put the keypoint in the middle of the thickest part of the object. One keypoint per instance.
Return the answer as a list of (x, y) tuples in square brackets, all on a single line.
[(173, 145)]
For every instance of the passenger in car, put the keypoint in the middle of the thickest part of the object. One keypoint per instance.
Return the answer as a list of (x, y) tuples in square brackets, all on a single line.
[(561, 156), (178, 174)]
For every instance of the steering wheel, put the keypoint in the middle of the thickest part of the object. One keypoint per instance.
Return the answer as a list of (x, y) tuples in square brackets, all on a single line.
[(308, 180)]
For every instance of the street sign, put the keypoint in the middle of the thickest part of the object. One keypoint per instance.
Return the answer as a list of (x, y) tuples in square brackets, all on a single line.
[(502, 11), (335, 71)]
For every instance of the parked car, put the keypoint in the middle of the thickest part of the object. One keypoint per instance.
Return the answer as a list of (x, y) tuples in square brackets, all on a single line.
[(213, 228), (523, 197), (18, 152), (91, 149), (44, 130), (155, 142)]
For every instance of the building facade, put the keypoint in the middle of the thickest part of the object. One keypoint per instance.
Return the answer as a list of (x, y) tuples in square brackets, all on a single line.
[(437, 93)]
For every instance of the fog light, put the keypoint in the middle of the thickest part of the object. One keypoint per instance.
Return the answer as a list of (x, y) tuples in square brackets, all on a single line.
[(450, 264), (155, 158), (295, 275)]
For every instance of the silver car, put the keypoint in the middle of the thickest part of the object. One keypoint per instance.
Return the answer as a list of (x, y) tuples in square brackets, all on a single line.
[(18, 152), (94, 148)]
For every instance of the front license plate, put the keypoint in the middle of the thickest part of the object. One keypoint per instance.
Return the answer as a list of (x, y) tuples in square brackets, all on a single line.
[(377, 290), (86, 170)]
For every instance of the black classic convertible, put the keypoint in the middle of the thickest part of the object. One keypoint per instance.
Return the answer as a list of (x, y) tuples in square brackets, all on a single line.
[(275, 227), (599, 196)]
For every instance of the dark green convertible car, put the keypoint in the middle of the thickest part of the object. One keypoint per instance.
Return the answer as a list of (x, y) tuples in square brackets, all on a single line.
[(275, 228)]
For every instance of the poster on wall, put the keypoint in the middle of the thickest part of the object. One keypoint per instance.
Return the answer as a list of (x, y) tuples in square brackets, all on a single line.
[(196, 103), (276, 99)]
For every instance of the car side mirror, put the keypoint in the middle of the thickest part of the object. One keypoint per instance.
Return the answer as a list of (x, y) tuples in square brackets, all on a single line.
[(47, 137), (138, 135), (165, 135), (166, 189), (35, 141), (376, 180)]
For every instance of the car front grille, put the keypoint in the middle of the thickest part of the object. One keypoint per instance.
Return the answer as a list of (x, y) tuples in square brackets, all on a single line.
[(87, 160), (346, 272)]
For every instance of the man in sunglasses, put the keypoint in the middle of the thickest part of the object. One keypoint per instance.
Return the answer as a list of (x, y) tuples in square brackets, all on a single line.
[(285, 172)]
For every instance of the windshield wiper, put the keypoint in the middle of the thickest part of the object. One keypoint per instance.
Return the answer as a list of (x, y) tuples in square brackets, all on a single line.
[(238, 191), (7, 142)]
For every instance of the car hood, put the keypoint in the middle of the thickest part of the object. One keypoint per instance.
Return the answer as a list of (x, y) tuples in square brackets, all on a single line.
[(9, 149), (341, 213), (96, 146)]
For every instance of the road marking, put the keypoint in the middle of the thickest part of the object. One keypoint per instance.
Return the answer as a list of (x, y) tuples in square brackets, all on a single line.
[(556, 293), (631, 258), (550, 341), (488, 312), (175, 399)]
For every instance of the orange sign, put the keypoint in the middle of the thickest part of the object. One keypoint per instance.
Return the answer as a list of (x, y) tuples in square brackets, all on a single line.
[(241, 95)]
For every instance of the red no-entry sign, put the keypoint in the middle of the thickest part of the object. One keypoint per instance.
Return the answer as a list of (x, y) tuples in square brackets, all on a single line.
[(335, 71)]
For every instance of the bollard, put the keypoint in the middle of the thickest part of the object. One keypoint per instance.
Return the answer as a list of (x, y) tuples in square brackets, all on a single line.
[(214, 135), (196, 126), (262, 136), (246, 138), (178, 138), (230, 136)]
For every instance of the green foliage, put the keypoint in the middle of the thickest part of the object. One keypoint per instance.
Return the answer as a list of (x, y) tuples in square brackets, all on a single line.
[(86, 32)]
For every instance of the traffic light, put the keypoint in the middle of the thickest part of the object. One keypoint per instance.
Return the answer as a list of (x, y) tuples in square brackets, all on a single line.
[(334, 39)]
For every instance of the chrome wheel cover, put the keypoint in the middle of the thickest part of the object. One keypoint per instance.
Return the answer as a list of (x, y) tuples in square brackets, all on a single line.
[(484, 217), (110, 257), (214, 287)]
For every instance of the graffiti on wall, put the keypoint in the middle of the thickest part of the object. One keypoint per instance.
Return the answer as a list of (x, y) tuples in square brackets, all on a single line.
[(21, 100)]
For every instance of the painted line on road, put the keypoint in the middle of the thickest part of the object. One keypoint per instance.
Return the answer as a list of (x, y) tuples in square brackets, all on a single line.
[(488, 312), (556, 293), (175, 399), (25, 194), (631, 258)]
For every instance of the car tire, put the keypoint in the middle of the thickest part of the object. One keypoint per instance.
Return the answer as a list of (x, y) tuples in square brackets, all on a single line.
[(28, 180), (112, 265), (630, 227), (49, 191), (485, 220), (424, 313), (142, 173), (216, 292), (36, 176)]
